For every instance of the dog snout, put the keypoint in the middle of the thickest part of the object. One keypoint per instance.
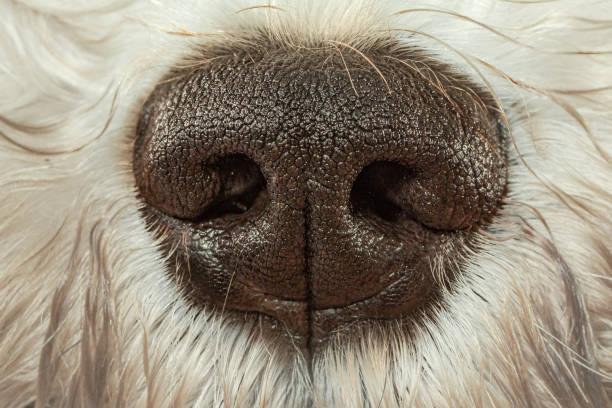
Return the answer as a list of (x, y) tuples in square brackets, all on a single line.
[(317, 188)]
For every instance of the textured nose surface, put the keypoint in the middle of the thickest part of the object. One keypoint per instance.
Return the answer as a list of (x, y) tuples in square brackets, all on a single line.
[(314, 188)]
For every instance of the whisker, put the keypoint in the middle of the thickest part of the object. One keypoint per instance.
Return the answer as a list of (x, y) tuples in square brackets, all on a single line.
[(367, 59)]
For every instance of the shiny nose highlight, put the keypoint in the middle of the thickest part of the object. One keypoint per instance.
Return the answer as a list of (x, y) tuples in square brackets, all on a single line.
[(301, 186)]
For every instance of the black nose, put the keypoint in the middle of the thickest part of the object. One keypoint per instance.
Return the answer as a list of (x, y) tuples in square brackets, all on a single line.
[(317, 188)]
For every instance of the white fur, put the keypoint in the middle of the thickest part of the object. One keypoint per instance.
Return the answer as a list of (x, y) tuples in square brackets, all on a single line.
[(88, 316)]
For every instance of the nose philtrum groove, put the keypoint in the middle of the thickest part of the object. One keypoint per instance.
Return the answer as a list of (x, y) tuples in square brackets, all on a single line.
[(309, 279)]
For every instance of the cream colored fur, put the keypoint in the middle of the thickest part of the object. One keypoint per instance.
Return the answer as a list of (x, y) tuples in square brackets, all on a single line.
[(89, 318)]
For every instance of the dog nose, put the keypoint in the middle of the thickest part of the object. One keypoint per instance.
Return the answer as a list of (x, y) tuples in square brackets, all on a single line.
[(316, 189)]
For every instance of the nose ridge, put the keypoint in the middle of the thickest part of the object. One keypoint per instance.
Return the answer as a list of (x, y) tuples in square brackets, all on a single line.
[(367, 182)]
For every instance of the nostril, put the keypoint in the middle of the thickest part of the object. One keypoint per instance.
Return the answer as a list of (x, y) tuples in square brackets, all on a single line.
[(440, 196), (375, 191), (200, 190), (241, 186)]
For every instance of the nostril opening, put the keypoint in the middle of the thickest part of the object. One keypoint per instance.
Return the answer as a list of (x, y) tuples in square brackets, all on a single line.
[(199, 190), (376, 188), (241, 187)]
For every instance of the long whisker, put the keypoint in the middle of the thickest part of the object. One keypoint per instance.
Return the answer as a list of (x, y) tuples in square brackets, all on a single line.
[(367, 59)]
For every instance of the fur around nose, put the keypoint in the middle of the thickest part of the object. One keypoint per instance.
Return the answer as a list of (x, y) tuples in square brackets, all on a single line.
[(317, 189)]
